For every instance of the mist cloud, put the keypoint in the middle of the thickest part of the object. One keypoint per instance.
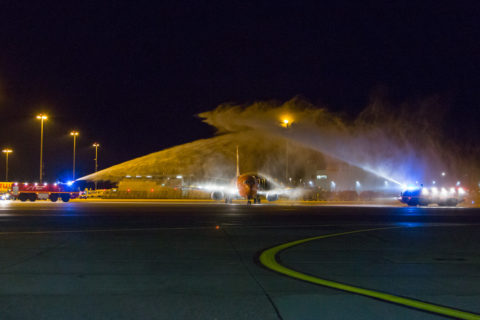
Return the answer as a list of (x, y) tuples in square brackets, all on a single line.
[(402, 143)]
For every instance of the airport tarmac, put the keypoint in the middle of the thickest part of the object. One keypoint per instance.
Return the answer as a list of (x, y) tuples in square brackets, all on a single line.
[(183, 260)]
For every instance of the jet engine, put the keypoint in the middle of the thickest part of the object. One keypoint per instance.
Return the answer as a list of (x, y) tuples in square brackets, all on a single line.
[(217, 195), (272, 197)]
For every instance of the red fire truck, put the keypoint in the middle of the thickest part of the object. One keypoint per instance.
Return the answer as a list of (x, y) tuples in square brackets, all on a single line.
[(35, 191)]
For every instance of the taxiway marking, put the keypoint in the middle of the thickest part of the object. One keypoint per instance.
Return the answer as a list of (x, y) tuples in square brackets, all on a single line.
[(268, 258)]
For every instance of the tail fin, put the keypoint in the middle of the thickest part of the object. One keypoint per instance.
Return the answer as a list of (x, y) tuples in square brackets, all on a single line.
[(238, 164)]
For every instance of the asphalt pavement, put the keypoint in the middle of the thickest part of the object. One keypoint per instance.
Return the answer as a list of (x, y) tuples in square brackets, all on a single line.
[(167, 260)]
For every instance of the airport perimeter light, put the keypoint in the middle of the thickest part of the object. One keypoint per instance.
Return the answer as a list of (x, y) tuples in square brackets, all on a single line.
[(74, 134), (42, 117), (286, 123), (6, 151), (96, 145)]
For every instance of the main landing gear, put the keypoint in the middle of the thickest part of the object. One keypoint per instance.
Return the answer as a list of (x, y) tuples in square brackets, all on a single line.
[(256, 200)]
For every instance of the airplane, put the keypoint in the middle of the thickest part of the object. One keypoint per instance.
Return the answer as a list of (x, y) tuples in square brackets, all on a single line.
[(249, 186)]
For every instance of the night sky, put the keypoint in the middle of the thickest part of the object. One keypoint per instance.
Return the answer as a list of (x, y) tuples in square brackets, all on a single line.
[(133, 75)]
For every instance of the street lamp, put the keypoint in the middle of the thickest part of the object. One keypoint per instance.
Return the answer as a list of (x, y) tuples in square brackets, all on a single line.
[(74, 134), (6, 151), (286, 123), (96, 145), (42, 117)]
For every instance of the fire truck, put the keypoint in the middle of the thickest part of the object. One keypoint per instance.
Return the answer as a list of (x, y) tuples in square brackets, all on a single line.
[(422, 196), (45, 191)]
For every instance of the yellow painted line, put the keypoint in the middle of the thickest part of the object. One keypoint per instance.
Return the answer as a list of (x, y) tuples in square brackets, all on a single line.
[(268, 258)]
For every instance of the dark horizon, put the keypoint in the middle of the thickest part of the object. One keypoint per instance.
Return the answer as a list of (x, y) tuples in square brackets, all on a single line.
[(132, 77)]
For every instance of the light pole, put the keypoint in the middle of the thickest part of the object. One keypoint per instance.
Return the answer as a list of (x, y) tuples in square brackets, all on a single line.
[(96, 145), (6, 151), (75, 135), (42, 117), (286, 124)]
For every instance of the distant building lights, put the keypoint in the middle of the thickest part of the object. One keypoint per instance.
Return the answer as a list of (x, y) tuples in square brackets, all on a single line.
[(179, 177), (128, 176), (138, 176)]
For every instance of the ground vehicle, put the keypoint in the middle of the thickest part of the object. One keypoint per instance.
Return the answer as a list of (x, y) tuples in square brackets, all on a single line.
[(5, 188), (422, 196), (35, 191)]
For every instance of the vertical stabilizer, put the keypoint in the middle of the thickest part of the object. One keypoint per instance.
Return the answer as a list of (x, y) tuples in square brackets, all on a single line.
[(238, 164)]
